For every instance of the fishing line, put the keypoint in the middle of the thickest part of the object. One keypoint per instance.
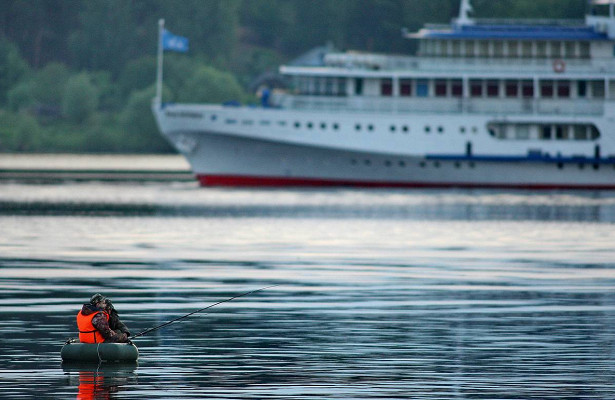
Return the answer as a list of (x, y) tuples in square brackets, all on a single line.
[(155, 328)]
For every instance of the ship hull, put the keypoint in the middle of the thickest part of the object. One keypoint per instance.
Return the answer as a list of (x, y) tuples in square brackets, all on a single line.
[(219, 159)]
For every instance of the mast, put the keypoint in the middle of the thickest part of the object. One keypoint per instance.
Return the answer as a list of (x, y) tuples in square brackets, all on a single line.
[(464, 13), (158, 98)]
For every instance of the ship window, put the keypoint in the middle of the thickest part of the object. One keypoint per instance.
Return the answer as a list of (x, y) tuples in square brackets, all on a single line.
[(456, 48), (476, 88), (527, 89), (316, 85), (462, 129), (341, 87), (582, 88), (483, 48), (440, 129), (405, 87), (386, 87), (231, 121), (493, 89), (405, 128), (422, 88), (470, 48), (522, 132), (561, 132), (457, 88), (513, 49), (541, 49), (427, 129), (357, 127), (498, 48), (500, 132), (388, 163), (580, 132), (440, 88), (594, 132), (402, 164), (584, 49), (597, 89), (336, 126), (570, 49), (214, 117), (282, 123), (563, 89), (393, 128), (512, 89), (358, 86), (556, 49), (546, 89), (310, 125), (265, 123), (545, 132), (329, 82), (323, 125), (370, 127), (297, 124), (526, 49)]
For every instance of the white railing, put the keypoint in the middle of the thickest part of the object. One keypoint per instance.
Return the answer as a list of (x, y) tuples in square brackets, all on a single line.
[(495, 106), (458, 65)]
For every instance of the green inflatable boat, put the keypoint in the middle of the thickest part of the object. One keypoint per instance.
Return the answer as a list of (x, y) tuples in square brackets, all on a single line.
[(75, 351)]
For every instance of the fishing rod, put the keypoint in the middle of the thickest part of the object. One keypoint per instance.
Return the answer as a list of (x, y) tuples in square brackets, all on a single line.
[(155, 328)]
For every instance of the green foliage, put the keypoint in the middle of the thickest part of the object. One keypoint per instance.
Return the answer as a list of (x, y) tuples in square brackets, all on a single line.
[(20, 96), (48, 84), (210, 85), (12, 68), (137, 75), (80, 98), (19, 132), (109, 96), (141, 133)]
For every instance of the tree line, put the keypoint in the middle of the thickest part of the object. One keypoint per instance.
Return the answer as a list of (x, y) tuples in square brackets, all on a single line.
[(78, 75)]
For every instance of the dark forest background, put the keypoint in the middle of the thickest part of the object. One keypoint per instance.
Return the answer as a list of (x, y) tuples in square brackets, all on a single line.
[(78, 75)]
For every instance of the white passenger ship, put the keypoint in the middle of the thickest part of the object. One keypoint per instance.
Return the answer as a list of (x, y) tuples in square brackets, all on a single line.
[(484, 103)]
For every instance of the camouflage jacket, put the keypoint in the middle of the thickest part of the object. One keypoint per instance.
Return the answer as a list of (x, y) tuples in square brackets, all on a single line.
[(100, 323)]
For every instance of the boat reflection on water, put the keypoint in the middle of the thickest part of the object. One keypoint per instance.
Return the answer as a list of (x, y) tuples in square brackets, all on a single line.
[(100, 381)]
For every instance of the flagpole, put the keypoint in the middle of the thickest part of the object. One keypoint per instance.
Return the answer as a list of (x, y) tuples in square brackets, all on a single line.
[(159, 69)]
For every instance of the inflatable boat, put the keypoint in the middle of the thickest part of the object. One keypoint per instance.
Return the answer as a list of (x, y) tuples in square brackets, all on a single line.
[(75, 351)]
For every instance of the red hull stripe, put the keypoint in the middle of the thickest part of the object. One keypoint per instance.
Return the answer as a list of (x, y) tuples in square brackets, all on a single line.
[(265, 181)]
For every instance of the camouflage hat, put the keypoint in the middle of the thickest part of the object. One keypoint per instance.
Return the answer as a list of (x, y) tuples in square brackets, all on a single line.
[(97, 298)]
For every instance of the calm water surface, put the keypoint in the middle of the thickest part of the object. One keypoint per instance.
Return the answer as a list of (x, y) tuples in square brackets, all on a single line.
[(383, 294)]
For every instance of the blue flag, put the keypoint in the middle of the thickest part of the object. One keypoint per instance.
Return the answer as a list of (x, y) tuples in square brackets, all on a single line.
[(173, 42)]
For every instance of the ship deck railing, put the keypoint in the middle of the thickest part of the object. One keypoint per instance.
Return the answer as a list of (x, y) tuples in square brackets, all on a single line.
[(349, 63), (500, 106)]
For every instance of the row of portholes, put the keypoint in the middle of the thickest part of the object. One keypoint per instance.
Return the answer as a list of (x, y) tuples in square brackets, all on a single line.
[(403, 164), (358, 127), (456, 164), (581, 166)]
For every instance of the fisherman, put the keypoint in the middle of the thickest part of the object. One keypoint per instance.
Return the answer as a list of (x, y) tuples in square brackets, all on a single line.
[(94, 322), (114, 319)]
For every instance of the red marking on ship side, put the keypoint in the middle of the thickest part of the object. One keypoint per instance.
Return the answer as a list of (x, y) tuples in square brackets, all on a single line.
[(266, 181)]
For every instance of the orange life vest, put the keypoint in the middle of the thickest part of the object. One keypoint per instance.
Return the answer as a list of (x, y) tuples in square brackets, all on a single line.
[(87, 332)]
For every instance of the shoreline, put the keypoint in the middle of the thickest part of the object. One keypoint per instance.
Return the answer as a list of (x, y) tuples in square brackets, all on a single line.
[(107, 167)]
